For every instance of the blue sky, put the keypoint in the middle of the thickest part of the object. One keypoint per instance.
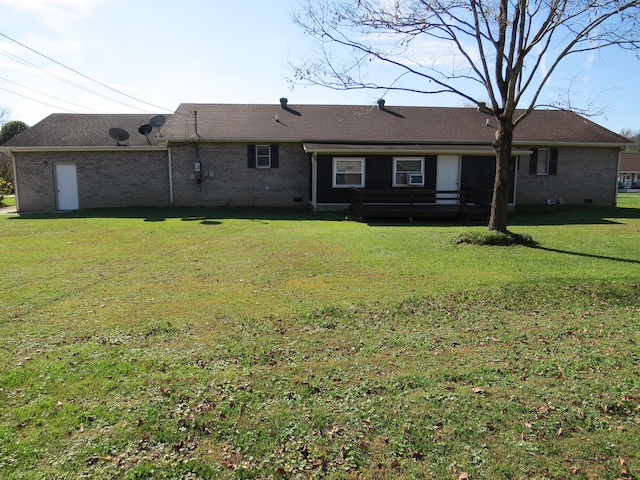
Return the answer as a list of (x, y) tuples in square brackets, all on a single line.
[(161, 53)]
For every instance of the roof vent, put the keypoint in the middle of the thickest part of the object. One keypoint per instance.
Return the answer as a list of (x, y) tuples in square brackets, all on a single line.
[(283, 102), (381, 103)]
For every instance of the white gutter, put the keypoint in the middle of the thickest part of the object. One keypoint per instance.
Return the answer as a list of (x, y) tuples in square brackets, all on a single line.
[(122, 148)]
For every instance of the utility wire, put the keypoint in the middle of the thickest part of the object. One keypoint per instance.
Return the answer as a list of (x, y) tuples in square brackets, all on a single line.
[(39, 101), (64, 80), (46, 95), (83, 75)]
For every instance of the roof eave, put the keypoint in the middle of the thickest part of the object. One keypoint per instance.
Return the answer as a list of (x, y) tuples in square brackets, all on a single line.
[(525, 143), (119, 148), (412, 149)]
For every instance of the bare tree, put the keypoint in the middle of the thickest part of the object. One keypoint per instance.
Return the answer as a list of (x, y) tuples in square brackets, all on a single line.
[(5, 113), (501, 50), (634, 136)]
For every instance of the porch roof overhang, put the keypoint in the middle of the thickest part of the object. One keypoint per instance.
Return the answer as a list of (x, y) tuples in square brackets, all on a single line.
[(412, 149)]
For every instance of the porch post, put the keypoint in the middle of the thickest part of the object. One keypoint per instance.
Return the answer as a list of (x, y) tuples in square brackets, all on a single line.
[(314, 181)]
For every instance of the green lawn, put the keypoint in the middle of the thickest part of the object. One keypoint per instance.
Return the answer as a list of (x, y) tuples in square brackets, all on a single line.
[(8, 201), (281, 344)]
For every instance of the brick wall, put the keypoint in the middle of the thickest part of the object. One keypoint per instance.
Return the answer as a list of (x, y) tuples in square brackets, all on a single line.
[(231, 183), (583, 174), (105, 179)]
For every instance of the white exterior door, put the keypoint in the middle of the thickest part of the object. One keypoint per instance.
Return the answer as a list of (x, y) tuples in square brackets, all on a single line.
[(447, 177), (67, 187)]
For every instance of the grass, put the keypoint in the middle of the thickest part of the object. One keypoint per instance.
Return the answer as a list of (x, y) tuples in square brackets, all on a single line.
[(277, 344), (7, 201)]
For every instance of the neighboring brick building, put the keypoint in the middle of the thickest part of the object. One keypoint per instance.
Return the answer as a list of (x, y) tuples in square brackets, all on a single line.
[(629, 172), (308, 155)]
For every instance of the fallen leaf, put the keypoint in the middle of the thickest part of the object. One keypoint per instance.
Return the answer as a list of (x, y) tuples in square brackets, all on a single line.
[(464, 476), (478, 390)]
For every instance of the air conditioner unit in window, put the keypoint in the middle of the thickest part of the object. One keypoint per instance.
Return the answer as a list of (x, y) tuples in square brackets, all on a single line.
[(415, 179)]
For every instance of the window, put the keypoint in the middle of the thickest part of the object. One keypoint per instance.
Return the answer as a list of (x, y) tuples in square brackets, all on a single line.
[(542, 165), (408, 172), (543, 161), (262, 156), (348, 172)]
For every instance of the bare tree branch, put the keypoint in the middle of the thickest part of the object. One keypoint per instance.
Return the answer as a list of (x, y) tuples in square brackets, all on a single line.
[(506, 50)]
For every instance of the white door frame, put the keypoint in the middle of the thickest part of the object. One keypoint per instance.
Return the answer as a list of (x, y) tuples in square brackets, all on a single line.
[(66, 184), (448, 177)]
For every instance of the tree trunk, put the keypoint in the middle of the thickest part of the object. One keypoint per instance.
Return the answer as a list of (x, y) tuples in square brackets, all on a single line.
[(502, 182)]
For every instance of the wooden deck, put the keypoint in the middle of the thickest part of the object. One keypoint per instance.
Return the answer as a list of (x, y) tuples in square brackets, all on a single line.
[(468, 206)]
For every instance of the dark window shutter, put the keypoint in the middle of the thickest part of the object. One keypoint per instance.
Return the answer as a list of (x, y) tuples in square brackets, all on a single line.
[(553, 161), (533, 162), (275, 156), (251, 156)]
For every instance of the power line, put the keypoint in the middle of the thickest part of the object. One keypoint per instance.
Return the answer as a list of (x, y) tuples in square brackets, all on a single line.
[(39, 101), (85, 76), (64, 80), (46, 95)]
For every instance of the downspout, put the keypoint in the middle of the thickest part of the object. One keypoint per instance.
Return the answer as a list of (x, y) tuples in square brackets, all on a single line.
[(512, 206), (15, 180), (314, 181), (170, 177), (615, 195)]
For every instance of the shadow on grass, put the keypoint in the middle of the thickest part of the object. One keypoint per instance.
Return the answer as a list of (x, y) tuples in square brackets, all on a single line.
[(570, 215), (204, 215), (536, 246), (523, 216)]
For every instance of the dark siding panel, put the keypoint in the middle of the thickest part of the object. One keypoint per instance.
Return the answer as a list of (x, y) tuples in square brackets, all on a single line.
[(430, 166), (326, 192), (379, 172), (478, 173)]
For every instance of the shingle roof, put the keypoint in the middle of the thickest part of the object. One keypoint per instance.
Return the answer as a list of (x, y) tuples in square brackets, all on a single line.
[(83, 130), (368, 124), (630, 162), (315, 123)]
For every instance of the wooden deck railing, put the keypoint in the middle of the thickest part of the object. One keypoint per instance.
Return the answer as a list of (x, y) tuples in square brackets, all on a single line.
[(419, 203)]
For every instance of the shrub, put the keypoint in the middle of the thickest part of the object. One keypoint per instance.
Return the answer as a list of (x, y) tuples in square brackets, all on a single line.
[(494, 238), (5, 189)]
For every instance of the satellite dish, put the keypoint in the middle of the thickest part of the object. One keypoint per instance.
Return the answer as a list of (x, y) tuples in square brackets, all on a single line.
[(145, 130), (119, 135), (157, 121)]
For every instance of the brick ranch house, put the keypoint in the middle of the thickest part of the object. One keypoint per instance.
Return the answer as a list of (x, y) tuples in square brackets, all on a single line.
[(629, 176), (284, 155)]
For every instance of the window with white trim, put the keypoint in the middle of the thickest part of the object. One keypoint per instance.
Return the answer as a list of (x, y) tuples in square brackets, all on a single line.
[(408, 172), (263, 156), (348, 172), (542, 166)]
